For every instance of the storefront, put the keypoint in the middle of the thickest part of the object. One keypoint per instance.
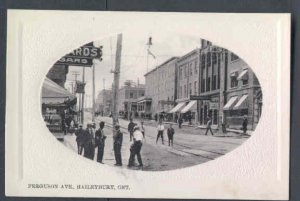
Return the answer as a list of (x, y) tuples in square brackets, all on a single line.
[(209, 108)]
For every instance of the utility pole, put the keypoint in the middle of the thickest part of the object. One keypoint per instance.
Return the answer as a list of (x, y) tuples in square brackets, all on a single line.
[(116, 80), (82, 96), (93, 96)]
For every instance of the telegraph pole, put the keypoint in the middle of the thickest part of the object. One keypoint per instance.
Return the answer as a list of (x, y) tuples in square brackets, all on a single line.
[(93, 97), (82, 96), (116, 80)]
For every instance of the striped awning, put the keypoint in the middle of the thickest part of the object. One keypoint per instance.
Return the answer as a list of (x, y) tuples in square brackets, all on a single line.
[(230, 103), (188, 106), (177, 107), (54, 94), (242, 103)]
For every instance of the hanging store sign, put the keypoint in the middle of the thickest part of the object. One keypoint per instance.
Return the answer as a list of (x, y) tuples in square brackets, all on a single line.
[(195, 97), (82, 56), (79, 87)]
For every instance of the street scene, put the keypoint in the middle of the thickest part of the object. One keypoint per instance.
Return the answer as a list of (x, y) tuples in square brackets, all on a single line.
[(138, 104)]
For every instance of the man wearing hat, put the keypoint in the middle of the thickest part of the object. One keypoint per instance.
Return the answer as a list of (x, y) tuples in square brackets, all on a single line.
[(130, 128), (79, 139), (100, 141), (118, 140), (89, 142), (136, 147)]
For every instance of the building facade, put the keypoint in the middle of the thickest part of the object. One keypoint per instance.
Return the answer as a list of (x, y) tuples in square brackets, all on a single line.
[(104, 102), (128, 97), (187, 86), (160, 89)]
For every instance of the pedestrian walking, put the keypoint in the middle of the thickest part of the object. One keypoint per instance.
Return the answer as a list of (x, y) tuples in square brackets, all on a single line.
[(208, 126), (135, 149), (160, 132), (180, 121), (80, 139), (130, 128), (118, 140), (100, 141), (171, 133), (143, 130), (89, 143), (244, 125)]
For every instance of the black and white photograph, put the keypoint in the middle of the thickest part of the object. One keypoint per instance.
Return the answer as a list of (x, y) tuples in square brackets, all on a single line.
[(151, 102), (147, 105)]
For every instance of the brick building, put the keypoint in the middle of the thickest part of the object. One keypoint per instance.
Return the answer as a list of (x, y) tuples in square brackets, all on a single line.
[(187, 85), (58, 74), (160, 93)]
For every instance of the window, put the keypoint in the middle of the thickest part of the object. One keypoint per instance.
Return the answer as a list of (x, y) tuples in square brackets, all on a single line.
[(214, 58), (245, 81), (191, 70), (203, 61), (214, 82), (195, 87), (190, 89), (185, 92), (234, 57), (131, 95), (180, 73), (196, 67), (208, 58), (234, 81), (203, 85), (208, 84)]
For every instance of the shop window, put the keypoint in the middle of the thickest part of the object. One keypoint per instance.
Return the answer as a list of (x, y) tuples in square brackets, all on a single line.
[(244, 112)]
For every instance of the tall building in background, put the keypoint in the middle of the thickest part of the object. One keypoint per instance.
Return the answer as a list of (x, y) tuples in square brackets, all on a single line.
[(160, 93)]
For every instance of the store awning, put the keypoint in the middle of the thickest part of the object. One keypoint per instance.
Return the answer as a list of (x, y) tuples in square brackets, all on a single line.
[(230, 103), (53, 94), (188, 106), (242, 103), (177, 107), (243, 75)]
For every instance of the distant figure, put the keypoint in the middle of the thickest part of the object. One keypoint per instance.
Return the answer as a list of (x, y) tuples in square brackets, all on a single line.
[(89, 145), (118, 140), (171, 133), (100, 141), (160, 132), (180, 121), (80, 139), (208, 126), (143, 130), (130, 128), (244, 125), (136, 147)]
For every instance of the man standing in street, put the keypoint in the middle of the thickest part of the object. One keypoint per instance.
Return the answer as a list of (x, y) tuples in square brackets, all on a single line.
[(244, 125), (180, 121), (136, 147), (208, 126), (130, 128), (171, 133), (80, 139), (118, 140), (160, 132), (100, 141), (89, 143)]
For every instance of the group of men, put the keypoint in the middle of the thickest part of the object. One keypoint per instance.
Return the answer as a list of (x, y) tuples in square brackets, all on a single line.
[(89, 139)]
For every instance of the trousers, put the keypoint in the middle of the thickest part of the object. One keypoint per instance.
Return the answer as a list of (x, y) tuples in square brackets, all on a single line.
[(117, 151), (160, 134), (135, 150), (100, 153)]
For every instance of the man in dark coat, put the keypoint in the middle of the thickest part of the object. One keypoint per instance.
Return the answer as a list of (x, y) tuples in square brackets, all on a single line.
[(244, 125), (208, 126), (100, 141), (171, 133), (130, 129), (180, 121), (80, 139), (118, 140), (89, 143)]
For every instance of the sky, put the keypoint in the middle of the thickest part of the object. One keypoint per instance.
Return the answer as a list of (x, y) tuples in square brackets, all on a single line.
[(133, 58)]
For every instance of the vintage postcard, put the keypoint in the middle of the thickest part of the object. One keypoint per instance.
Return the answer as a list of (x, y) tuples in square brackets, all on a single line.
[(147, 105)]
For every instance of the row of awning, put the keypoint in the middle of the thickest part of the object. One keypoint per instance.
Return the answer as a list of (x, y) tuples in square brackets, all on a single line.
[(237, 103), (234, 103)]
